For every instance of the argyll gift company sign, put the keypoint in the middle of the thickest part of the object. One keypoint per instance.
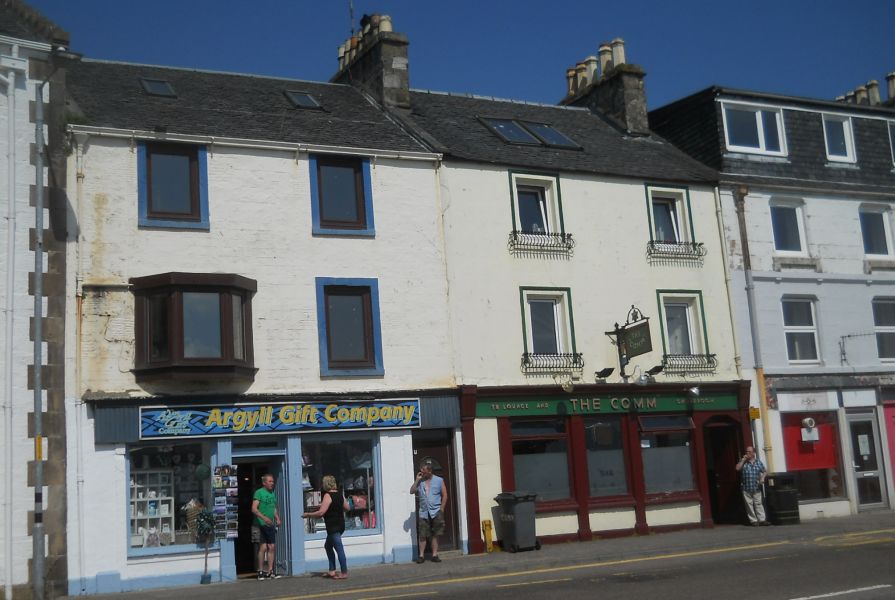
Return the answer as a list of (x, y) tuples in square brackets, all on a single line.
[(159, 422)]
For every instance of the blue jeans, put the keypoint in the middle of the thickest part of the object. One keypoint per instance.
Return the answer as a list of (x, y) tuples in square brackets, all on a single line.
[(334, 541)]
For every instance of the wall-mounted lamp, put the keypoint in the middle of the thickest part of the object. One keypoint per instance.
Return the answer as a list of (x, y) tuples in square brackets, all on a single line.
[(601, 375), (648, 376), (655, 370), (694, 391)]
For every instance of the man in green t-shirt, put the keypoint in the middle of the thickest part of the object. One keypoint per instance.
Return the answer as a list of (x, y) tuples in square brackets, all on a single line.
[(267, 517)]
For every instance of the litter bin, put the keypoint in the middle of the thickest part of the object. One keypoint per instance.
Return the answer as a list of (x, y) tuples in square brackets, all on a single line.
[(783, 498), (517, 521)]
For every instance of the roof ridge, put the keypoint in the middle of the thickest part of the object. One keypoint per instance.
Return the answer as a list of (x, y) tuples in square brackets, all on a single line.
[(497, 99), (209, 71)]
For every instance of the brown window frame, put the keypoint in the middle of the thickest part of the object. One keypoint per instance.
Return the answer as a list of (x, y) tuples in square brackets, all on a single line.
[(359, 193), (172, 286), (364, 292), (191, 152)]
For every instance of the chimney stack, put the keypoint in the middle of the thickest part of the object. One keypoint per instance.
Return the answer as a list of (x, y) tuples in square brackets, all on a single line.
[(571, 83), (873, 92), (379, 64), (617, 91)]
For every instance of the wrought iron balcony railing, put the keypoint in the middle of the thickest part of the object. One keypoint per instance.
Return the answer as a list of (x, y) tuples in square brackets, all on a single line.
[(679, 250), (540, 242), (552, 363), (689, 363)]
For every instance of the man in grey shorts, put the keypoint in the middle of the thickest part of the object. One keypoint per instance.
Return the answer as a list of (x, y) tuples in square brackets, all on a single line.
[(432, 496)]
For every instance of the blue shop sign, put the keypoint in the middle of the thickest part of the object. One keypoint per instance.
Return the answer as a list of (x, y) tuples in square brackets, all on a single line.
[(159, 422)]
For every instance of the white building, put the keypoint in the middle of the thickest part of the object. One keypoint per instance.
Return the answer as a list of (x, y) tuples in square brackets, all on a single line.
[(26, 42), (257, 280)]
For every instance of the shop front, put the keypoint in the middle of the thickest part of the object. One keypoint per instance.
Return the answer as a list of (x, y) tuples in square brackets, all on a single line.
[(169, 462), (609, 460)]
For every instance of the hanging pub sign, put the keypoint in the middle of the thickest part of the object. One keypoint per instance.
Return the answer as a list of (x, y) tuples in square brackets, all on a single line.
[(636, 339), (161, 422)]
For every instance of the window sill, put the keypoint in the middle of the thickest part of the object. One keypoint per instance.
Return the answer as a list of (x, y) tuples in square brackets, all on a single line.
[(672, 498), (136, 553), (553, 243), (835, 163), (367, 372), (796, 262), (756, 155), (689, 252), (216, 372), (878, 264), (552, 506), (552, 363), (330, 232), (145, 223), (689, 363)]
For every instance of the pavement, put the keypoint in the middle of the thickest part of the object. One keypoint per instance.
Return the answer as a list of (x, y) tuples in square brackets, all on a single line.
[(496, 564)]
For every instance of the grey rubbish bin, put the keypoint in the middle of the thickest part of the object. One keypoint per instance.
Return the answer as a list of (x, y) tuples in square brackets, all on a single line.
[(517, 521), (783, 498)]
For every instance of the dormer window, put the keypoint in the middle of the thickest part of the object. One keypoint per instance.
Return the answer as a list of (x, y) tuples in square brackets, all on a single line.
[(302, 100), (754, 129), (158, 87), (839, 139)]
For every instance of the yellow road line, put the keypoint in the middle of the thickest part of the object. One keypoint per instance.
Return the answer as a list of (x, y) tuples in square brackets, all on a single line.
[(411, 595), (608, 563), (853, 534), (503, 585)]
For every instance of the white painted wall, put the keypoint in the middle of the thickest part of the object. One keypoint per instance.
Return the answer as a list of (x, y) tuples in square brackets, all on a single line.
[(607, 273), (14, 391), (260, 215), (612, 518), (673, 514)]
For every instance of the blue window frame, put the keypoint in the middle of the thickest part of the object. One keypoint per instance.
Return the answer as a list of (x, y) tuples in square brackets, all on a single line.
[(341, 196), (172, 182), (348, 327)]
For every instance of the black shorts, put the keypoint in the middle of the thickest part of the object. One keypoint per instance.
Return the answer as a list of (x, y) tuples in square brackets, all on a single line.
[(268, 534)]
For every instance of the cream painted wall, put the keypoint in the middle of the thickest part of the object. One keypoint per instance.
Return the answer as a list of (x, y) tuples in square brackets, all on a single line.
[(556, 524), (674, 514), (607, 520), (487, 467), (607, 273), (260, 227)]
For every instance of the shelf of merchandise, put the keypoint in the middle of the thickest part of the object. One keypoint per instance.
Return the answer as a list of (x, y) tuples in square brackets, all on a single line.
[(152, 505)]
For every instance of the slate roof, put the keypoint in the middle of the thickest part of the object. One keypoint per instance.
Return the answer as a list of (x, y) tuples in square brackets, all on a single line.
[(695, 124), (452, 124), (109, 94), (18, 20)]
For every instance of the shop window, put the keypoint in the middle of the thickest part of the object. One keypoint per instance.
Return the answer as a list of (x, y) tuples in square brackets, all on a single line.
[(163, 480), (193, 323), (541, 458), (814, 458), (667, 458), (606, 469), (342, 196), (351, 462)]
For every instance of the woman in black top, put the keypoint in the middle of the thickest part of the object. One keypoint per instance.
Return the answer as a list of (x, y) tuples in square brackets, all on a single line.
[(332, 509)]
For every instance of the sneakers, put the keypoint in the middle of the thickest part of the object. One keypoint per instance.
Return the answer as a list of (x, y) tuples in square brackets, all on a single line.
[(262, 575), (273, 575), (420, 560), (436, 559)]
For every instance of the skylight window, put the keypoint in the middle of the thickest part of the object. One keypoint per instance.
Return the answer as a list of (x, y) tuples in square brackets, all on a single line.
[(301, 99), (524, 132), (550, 136), (158, 87)]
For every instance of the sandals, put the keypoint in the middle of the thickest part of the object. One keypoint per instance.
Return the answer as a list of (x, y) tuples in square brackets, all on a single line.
[(340, 576)]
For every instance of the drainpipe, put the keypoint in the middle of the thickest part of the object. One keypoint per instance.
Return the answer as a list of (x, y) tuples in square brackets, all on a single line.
[(80, 141), (38, 561), (719, 217), (739, 197), (10, 81)]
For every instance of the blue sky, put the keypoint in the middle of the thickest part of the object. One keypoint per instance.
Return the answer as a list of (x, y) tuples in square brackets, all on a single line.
[(510, 49)]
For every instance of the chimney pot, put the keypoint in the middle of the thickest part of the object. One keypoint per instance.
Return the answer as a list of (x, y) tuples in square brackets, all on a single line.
[(581, 75), (590, 64), (850, 97), (861, 95), (571, 83), (385, 23), (618, 51), (840, 98), (341, 57), (352, 45), (873, 92), (605, 53), (890, 86)]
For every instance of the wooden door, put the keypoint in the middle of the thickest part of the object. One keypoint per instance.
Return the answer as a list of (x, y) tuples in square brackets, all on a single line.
[(437, 444)]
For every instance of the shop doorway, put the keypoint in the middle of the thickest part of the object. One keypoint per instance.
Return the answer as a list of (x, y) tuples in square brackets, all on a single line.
[(722, 451), (869, 480), (250, 472), (438, 445)]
